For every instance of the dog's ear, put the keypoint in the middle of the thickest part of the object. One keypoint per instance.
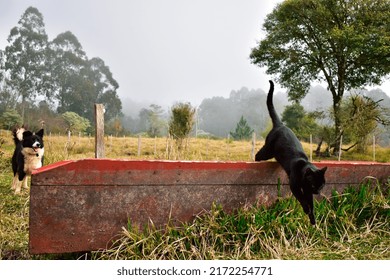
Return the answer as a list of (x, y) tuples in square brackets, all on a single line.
[(40, 133), (323, 170), (26, 134)]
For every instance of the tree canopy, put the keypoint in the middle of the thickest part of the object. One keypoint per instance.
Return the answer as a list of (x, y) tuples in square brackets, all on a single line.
[(219, 115), (151, 121), (75, 123), (303, 124), (59, 71), (25, 56), (342, 42), (361, 116)]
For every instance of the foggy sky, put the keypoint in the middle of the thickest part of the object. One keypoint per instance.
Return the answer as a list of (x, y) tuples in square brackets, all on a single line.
[(161, 51)]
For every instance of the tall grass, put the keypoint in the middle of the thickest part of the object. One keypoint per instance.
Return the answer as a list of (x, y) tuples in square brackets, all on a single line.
[(352, 225)]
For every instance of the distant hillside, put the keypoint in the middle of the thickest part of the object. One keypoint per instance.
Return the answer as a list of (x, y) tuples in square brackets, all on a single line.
[(219, 115)]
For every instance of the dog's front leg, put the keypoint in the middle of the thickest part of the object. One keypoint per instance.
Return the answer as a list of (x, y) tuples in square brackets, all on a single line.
[(19, 179), (25, 186), (16, 184)]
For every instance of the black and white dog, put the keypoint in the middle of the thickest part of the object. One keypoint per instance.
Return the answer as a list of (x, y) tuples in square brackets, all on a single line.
[(28, 155)]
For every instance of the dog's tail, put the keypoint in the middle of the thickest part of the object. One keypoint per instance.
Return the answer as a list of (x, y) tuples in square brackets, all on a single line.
[(271, 109), (18, 134)]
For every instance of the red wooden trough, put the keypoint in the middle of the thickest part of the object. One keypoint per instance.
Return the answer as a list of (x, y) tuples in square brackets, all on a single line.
[(83, 205)]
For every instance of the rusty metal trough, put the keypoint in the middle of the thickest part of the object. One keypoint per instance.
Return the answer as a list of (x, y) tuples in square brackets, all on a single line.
[(83, 205)]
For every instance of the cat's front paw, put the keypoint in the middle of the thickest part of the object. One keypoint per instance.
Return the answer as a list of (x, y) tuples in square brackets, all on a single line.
[(312, 219)]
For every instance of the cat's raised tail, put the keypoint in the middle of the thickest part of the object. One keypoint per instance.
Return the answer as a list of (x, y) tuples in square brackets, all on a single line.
[(271, 109)]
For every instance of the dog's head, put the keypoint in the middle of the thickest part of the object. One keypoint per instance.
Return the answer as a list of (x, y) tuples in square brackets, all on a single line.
[(33, 140)]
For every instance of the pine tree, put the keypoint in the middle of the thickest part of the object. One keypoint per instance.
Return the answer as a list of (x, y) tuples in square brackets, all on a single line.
[(243, 130)]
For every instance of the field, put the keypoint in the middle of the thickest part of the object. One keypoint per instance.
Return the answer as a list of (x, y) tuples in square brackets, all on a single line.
[(351, 225)]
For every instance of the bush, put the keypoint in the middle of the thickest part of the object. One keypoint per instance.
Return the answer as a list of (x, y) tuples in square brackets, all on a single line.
[(181, 122), (9, 119)]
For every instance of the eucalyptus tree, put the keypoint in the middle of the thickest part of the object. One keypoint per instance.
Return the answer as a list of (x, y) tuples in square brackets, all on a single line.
[(25, 58), (78, 82), (2, 72), (344, 43), (68, 62), (7, 98), (105, 87)]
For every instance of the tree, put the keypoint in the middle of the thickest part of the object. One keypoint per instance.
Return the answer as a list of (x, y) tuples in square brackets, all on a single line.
[(7, 99), (151, 121), (2, 70), (218, 115), (344, 43), (112, 103), (59, 72), (181, 123), (9, 119), (360, 118), (113, 126), (299, 121), (25, 57), (105, 87), (79, 82), (143, 120), (243, 131), (68, 61), (75, 123)]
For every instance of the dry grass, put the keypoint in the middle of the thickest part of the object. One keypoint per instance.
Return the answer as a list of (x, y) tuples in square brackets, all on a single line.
[(59, 148), (353, 225)]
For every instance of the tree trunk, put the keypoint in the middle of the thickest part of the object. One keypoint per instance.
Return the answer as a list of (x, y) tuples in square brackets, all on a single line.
[(338, 131), (23, 110)]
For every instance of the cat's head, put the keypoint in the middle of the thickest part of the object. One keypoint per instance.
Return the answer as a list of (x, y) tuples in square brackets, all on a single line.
[(316, 179)]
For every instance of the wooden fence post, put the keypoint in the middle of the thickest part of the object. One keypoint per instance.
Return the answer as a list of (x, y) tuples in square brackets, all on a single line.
[(311, 148), (227, 145), (253, 154), (139, 145), (99, 131), (155, 146), (69, 134), (341, 143)]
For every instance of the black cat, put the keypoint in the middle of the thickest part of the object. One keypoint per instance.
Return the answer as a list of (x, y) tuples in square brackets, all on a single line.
[(282, 144)]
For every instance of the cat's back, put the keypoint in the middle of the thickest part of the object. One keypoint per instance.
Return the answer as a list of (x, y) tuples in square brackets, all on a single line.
[(286, 145), (285, 137)]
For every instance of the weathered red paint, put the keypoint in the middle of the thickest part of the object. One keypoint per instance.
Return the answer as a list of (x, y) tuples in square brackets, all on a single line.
[(83, 205)]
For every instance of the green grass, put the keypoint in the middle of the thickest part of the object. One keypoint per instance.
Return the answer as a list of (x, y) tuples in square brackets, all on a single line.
[(351, 225), (13, 218)]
